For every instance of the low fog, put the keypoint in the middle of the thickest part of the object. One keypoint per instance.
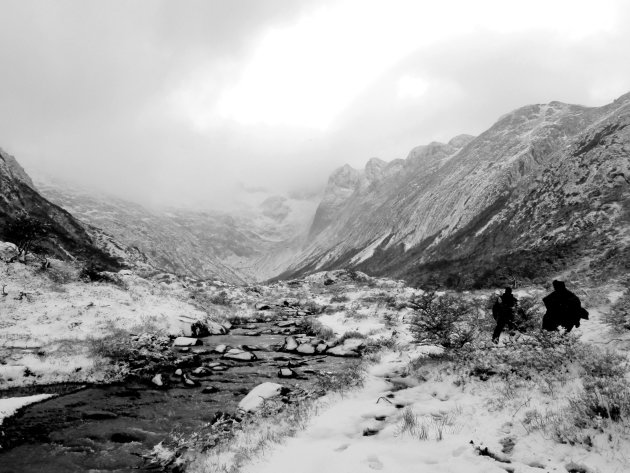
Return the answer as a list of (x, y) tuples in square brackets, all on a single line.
[(198, 102)]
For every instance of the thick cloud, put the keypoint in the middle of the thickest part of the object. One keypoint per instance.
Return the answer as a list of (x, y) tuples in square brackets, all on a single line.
[(192, 101)]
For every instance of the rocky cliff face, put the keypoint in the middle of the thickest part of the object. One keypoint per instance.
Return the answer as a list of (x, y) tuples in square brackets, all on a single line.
[(67, 239), (545, 181)]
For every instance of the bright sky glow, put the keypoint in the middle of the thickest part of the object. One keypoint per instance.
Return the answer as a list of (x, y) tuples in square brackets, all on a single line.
[(305, 74)]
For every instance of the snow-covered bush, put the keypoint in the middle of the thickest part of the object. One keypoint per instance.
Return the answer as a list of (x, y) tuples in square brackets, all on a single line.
[(444, 320), (314, 327), (352, 376)]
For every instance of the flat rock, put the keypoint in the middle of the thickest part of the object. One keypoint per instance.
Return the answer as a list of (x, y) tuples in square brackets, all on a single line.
[(186, 342), (286, 323), (306, 349), (220, 348), (257, 396), (286, 373), (240, 355)]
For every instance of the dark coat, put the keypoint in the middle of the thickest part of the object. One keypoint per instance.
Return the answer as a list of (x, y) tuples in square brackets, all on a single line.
[(563, 309)]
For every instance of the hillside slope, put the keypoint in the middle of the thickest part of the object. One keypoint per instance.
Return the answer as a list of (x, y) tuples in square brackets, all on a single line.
[(67, 238), (545, 181)]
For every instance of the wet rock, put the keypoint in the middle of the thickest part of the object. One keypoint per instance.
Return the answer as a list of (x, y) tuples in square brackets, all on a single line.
[(252, 333), (189, 383), (306, 349), (287, 323), (261, 393), (188, 361), (158, 381), (262, 306), (210, 390), (186, 342), (240, 355), (206, 328), (178, 372), (286, 373), (350, 347), (220, 348), (202, 371), (290, 344), (321, 348)]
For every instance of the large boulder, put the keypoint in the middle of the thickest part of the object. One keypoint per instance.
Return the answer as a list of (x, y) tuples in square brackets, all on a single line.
[(261, 393), (306, 349), (290, 344), (349, 347), (240, 355), (186, 342), (205, 328)]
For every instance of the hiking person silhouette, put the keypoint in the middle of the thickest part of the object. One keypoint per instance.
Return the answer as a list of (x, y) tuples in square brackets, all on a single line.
[(563, 309), (503, 313)]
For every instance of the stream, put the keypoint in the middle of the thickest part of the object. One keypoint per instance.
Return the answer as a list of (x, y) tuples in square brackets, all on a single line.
[(111, 428)]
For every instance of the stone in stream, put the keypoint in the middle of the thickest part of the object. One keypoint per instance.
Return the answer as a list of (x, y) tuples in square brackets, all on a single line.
[(189, 383), (350, 347), (286, 373), (205, 328), (261, 393), (240, 355), (210, 390), (289, 344), (178, 372), (186, 342), (202, 371), (287, 323), (252, 333), (220, 348), (262, 306), (306, 349), (321, 348), (158, 380)]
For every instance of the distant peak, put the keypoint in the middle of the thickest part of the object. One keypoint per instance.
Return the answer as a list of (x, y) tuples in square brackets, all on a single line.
[(460, 141)]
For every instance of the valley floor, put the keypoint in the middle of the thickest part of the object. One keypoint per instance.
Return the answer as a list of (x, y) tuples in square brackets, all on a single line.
[(412, 415)]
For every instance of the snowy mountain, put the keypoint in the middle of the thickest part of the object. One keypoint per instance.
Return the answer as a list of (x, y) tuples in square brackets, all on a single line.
[(546, 187), (253, 243), (67, 237)]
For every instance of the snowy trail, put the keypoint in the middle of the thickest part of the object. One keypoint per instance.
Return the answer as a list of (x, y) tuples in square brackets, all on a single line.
[(335, 440)]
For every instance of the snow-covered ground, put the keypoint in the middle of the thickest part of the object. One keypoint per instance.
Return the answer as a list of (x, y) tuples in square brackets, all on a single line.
[(10, 406), (434, 421)]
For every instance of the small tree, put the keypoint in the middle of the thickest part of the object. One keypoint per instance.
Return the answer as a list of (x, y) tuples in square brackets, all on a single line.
[(25, 231), (445, 320)]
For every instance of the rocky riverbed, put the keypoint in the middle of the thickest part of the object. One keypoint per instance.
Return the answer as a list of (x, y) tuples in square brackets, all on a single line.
[(172, 386)]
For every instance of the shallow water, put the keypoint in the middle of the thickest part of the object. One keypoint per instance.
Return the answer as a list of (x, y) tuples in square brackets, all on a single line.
[(111, 428)]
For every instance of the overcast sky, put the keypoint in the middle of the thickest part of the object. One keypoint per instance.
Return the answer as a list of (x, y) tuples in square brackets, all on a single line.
[(172, 101)]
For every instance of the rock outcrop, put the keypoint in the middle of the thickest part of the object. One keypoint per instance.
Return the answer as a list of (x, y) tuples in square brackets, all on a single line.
[(545, 182)]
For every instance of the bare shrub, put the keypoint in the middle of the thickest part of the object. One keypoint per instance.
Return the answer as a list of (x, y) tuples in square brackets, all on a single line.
[(445, 320), (351, 377), (339, 298), (314, 327), (619, 315)]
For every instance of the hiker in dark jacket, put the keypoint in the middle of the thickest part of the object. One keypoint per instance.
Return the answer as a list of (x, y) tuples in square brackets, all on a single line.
[(563, 309), (503, 313)]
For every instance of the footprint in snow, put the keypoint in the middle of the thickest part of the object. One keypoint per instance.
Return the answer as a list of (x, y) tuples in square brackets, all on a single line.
[(374, 463), (341, 448)]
